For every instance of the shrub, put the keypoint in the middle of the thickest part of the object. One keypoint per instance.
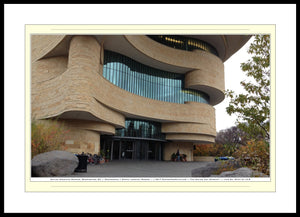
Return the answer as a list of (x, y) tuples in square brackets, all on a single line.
[(255, 155), (47, 136), (209, 150)]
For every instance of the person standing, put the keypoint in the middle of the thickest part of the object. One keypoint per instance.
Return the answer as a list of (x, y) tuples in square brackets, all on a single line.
[(178, 155)]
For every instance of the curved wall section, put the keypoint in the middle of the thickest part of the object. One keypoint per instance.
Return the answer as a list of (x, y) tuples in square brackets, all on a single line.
[(43, 44), (84, 54), (68, 93), (102, 128), (136, 106), (47, 69), (211, 83), (190, 138), (188, 128)]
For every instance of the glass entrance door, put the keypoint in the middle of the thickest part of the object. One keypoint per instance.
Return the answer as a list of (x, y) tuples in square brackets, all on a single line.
[(141, 148), (127, 150), (151, 151), (131, 149)]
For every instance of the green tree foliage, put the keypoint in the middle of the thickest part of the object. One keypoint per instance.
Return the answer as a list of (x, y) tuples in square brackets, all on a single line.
[(253, 108)]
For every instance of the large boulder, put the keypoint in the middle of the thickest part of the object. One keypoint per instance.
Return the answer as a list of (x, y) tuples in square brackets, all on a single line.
[(53, 163), (207, 170), (212, 167), (242, 172)]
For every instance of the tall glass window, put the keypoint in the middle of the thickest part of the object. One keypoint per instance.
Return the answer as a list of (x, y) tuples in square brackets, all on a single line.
[(148, 82), (141, 128)]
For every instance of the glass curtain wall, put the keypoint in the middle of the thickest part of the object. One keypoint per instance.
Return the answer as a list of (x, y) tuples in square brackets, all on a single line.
[(148, 82), (141, 128), (184, 43)]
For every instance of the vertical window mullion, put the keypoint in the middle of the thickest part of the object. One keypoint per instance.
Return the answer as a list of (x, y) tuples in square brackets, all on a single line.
[(112, 73), (143, 84), (172, 89), (118, 74), (169, 89), (162, 87), (122, 76), (157, 87)]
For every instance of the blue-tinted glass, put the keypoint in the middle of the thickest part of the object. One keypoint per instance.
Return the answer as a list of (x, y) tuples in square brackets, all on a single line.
[(148, 82), (141, 128)]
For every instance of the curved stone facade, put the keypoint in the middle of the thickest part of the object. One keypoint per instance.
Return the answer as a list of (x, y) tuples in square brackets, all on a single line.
[(67, 83)]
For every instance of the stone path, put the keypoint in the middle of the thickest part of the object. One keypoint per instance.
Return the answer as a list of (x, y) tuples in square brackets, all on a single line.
[(130, 168)]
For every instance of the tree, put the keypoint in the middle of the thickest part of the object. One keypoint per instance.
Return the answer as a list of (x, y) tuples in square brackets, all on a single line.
[(232, 135), (231, 139), (253, 108)]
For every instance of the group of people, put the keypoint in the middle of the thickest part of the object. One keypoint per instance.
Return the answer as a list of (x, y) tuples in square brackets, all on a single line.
[(93, 158)]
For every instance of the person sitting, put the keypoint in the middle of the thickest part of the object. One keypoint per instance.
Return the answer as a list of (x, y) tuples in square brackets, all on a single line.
[(95, 159)]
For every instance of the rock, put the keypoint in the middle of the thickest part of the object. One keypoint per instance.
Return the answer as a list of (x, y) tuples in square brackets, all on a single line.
[(212, 167), (242, 172), (207, 170), (53, 163)]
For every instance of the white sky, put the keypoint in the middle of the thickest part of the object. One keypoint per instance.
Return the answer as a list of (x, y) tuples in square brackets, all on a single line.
[(233, 76)]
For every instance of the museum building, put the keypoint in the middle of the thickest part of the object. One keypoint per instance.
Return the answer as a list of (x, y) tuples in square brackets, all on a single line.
[(139, 97)]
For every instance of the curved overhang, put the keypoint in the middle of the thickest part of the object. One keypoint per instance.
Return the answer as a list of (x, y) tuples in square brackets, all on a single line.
[(188, 128), (210, 82), (216, 96), (103, 128), (226, 45), (197, 138), (49, 46), (119, 44)]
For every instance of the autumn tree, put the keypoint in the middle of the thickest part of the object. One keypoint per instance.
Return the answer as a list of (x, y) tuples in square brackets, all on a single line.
[(253, 107), (232, 135)]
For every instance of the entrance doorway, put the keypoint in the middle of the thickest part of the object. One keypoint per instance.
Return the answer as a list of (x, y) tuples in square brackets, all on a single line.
[(131, 149)]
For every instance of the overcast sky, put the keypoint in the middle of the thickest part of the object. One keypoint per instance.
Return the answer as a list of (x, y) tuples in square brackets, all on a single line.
[(233, 76)]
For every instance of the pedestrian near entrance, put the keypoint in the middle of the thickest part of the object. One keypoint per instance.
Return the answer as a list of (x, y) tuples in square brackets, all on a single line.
[(178, 155)]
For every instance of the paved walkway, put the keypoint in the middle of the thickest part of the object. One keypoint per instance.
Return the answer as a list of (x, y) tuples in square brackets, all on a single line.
[(130, 168)]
